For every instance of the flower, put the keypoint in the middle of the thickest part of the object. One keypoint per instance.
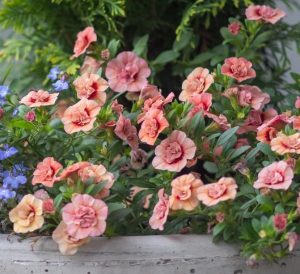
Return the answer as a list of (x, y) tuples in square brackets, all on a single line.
[(30, 116), (92, 87), (39, 98), (172, 153), (127, 72), (27, 215), (53, 74), (238, 68), (297, 102), (149, 91), (13, 179), (4, 91), (48, 206), (184, 192), (296, 122), (61, 84), (220, 120), (72, 171), (278, 121), (2, 111), (266, 135), (7, 152), (201, 103), (283, 144), (81, 116), (84, 39), (154, 123), (138, 158), (198, 81), (160, 211), (41, 194), (90, 65), (293, 238), (6, 194), (67, 244), (46, 172), (85, 216), (116, 107), (145, 201), (224, 189), (280, 222), (264, 13), (277, 175), (105, 54), (234, 28)]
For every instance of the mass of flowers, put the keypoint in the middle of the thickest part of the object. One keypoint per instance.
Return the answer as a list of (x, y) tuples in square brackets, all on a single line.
[(105, 152)]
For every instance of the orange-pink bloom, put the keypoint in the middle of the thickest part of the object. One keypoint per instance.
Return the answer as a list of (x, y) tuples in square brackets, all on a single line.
[(278, 121), (238, 68), (184, 192), (224, 189), (46, 172), (90, 65), (84, 39), (278, 175), (266, 135), (220, 120), (234, 28), (85, 216), (81, 116), (296, 122), (297, 102), (264, 13), (283, 144), (39, 98), (201, 103), (91, 86), (198, 81), (72, 171), (172, 153), (149, 91)]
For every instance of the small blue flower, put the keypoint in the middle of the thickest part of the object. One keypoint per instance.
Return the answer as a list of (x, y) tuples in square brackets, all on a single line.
[(4, 90), (13, 182), (53, 74), (15, 112), (2, 101), (19, 168), (7, 152), (60, 85), (6, 194)]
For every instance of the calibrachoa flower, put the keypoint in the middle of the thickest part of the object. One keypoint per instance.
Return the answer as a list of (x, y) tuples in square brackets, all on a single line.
[(266, 135), (238, 68), (138, 158), (6, 152), (264, 13), (278, 121), (85, 216), (280, 222), (172, 153), (160, 211), (27, 216), (90, 65), (220, 120), (127, 72), (293, 238), (198, 81), (30, 116), (184, 192), (92, 87), (149, 91), (283, 144), (81, 116), (277, 175), (297, 102), (201, 103), (72, 171), (224, 189), (84, 39), (296, 122), (234, 28), (39, 98)]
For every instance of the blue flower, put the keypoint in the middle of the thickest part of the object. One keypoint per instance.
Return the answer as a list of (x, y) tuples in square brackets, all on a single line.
[(2, 101), (53, 74), (7, 152), (13, 181), (60, 85), (19, 168), (15, 112), (4, 90), (6, 194)]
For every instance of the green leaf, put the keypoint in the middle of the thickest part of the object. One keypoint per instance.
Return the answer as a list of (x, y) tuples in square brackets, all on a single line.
[(119, 214), (93, 189), (238, 152), (262, 38), (183, 41), (113, 47), (140, 45), (57, 201), (223, 139), (166, 57), (256, 225), (211, 167), (218, 229)]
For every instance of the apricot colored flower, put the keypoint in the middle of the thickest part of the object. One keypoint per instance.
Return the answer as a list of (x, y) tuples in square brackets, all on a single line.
[(91, 86), (154, 123), (293, 238), (266, 135), (160, 211), (149, 91), (297, 102), (278, 175), (46, 172), (280, 222), (90, 65), (264, 13), (67, 244), (27, 216), (283, 144), (172, 153), (84, 39), (238, 68), (198, 81), (234, 28), (85, 216), (224, 189), (278, 121), (220, 120), (39, 98), (296, 122), (201, 103), (184, 192), (81, 116), (127, 72)]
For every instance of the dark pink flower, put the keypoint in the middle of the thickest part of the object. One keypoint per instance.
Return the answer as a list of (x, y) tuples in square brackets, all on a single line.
[(84, 39), (280, 222), (297, 102), (201, 103), (264, 13), (234, 28), (30, 116)]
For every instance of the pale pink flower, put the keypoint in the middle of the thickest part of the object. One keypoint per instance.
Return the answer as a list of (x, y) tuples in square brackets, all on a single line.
[(234, 28), (172, 153), (138, 158), (127, 72), (81, 116), (293, 238), (278, 175), (116, 107), (184, 192), (283, 144), (39, 98), (105, 54), (266, 135), (91, 86), (198, 81), (297, 102), (264, 13), (72, 171), (90, 65), (280, 222), (160, 211), (41, 194), (84, 39), (224, 189), (149, 91), (201, 103), (238, 68), (30, 116), (85, 216), (48, 206), (220, 120), (278, 122), (46, 172)]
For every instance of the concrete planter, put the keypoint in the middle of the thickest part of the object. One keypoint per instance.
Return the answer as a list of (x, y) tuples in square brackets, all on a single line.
[(175, 254)]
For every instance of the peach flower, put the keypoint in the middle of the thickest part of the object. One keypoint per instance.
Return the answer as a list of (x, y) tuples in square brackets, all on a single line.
[(238, 68), (280, 222), (184, 192), (198, 81), (297, 102), (91, 86), (296, 122), (67, 244), (266, 135), (224, 189), (154, 123), (264, 13), (283, 144), (90, 65), (149, 91), (116, 107), (39, 98), (84, 39), (46, 172), (146, 199), (72, 171), (293, 238), (201, 103), (85, 216), (127, 72), (160, 211), (81, 116), (220, 120), (278, 121), (27, 216), (234, 28), (278, 175), (172, 153)]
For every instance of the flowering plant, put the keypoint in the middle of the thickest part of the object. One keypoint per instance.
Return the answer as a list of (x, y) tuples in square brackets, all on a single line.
[(105, 152)]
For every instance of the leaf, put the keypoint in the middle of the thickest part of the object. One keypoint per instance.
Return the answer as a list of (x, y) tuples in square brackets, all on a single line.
[(218, 229), (119, 214), (113, 47), (166, 57), (183, 41), (256, 225), (238, 152), (223, 139), (211, 167), (262, 38), (57, 201), (140, 45), (93, 189)]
